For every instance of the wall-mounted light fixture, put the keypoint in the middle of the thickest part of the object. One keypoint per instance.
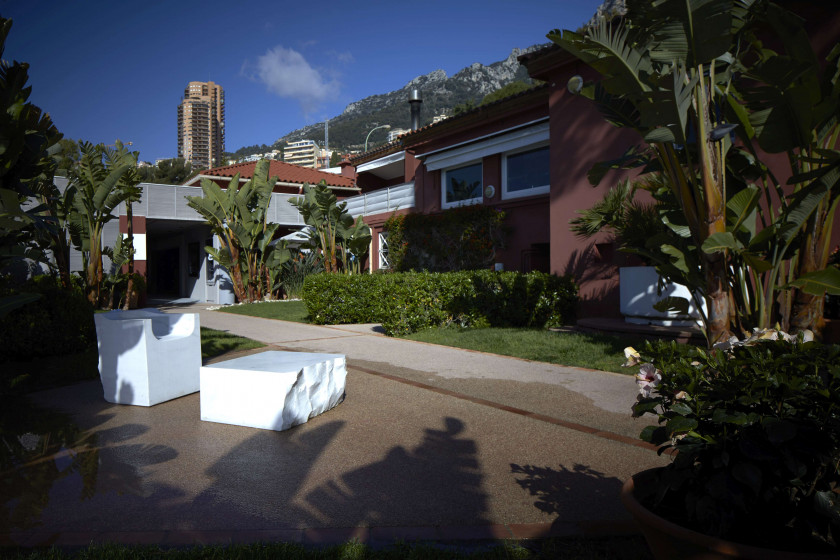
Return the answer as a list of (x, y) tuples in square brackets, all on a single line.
[(575, 84)]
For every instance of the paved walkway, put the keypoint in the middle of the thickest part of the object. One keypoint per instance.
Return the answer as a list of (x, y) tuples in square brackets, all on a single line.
[(430, 443)]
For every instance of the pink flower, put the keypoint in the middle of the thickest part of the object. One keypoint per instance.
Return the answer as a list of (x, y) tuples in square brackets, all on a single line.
[(648, 378)]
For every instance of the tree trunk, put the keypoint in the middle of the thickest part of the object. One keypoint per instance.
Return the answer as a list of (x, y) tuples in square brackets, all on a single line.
[(130, 237), (806, 309)]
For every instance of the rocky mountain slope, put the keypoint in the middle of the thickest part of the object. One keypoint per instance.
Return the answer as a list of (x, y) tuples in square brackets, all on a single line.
[(440, 94)]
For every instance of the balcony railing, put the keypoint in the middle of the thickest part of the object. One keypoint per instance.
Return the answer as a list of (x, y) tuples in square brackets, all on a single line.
[(390, 199)]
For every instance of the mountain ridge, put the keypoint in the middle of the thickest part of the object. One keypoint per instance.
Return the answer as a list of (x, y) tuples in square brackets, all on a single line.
[(440, 94)]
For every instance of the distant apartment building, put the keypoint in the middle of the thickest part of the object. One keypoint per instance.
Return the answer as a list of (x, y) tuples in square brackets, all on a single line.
[(395, 132), (201, 125), (303, 153), (324, 157)]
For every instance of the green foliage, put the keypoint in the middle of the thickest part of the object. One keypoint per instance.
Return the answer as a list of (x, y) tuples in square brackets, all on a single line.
[(296, 269), (408, 302), (462, 238), (341, 241), (593, 351), (64, 317), (215, 343), (284, 310), (103, 178), (175, 171), (25, 165), (239, 217), (688, 77), (757, 430), (335, 158), (508, 90)]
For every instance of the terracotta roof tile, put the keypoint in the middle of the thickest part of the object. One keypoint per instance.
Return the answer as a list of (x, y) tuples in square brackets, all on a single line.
[(285, 172)]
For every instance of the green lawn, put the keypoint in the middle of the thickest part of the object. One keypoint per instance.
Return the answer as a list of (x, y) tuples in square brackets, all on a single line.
[(593, 351), (215, 343), (283, 310)]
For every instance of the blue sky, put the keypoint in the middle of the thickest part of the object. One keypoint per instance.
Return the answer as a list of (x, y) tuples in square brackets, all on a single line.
[(108, 70)]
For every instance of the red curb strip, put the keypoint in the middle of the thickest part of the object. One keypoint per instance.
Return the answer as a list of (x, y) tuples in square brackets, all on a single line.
[(536, 416)]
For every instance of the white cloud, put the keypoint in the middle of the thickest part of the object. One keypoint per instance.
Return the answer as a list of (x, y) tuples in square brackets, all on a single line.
[(286, 73), (344, 57)]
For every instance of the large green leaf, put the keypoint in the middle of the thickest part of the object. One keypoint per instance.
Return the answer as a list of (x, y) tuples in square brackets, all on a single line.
[(606, 48), (678, 304), (742, 208), (720, 242), (820, 282)]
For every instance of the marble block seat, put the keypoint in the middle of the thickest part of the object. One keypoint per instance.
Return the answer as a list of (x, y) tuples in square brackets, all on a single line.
[(272, 390), (147, 357)]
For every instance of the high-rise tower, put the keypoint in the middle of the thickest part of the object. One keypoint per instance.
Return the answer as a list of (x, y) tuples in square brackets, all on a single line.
[(201, 125)]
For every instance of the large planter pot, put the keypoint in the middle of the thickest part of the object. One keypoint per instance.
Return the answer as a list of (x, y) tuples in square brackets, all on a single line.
[(638, 295), (668, 540)]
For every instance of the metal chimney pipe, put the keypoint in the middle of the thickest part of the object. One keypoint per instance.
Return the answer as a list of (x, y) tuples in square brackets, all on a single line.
[(415, 101)]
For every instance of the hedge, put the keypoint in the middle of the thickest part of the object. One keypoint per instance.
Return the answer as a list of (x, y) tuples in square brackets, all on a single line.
[(411, 301), (59, 322)]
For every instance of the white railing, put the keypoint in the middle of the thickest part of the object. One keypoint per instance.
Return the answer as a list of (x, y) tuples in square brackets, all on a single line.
[(399, 197), (168, 202)]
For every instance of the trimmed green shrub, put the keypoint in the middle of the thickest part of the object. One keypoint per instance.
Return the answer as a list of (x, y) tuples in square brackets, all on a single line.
[(59, 322), (408, 302)]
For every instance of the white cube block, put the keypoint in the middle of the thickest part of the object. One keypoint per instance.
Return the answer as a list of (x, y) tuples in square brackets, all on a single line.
[(272, 390), (147, 357)]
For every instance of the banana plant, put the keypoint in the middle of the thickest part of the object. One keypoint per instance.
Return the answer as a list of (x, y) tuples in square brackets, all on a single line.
[(239, 217), (334, 230), (99, 185), (671, 71), (354, 242), (790, 105)]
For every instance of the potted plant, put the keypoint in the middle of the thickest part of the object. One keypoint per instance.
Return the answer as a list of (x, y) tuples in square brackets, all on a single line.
[(754, 430)]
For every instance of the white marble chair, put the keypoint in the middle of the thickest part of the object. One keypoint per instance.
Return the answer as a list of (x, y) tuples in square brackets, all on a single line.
[(147, 357)]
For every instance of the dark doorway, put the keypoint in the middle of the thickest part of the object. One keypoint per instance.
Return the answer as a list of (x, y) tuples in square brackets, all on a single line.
[(165, 275)]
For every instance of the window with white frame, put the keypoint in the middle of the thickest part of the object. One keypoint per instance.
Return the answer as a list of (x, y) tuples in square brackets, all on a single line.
[(383, 250), (462, 185), (525, 173)]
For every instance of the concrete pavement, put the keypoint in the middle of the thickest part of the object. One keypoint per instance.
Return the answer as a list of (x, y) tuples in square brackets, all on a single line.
[(430, 443)]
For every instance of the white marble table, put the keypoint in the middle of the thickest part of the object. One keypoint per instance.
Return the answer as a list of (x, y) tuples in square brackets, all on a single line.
[(272, 390)]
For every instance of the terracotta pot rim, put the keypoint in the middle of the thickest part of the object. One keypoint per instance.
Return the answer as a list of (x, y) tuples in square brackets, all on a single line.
[(713, 544)]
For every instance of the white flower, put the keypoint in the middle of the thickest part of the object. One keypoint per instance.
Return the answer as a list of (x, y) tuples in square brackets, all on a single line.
[(727, 344), (633, 358), (681, 396), (648, 378)]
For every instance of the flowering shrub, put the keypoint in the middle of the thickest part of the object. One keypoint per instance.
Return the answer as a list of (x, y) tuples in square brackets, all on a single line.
[(756, 427), (408, 302)]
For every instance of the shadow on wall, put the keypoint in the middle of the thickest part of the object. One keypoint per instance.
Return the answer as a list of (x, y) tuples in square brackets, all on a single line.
[(597, 276)]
